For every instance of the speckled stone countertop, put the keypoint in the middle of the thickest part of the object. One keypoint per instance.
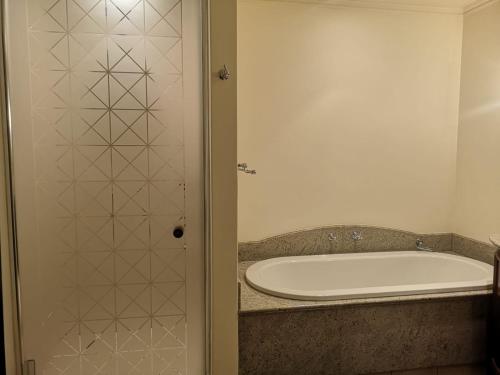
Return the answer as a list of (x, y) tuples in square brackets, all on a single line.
[(253, 301)]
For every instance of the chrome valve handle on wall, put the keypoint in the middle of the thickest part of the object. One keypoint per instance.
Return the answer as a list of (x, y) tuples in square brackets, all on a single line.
[(356, 235), (243, 167)]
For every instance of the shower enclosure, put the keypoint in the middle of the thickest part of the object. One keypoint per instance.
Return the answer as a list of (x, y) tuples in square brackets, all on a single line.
[(106, 140)]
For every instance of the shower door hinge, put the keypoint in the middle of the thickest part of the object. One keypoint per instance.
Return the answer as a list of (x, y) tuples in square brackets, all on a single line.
[(29, 367)]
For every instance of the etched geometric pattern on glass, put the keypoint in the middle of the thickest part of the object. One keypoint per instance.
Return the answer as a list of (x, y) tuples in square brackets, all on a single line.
[(107, 103)]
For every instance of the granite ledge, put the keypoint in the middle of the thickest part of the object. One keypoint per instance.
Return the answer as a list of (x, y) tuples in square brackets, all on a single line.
[(338, 239), (253, 301), (320, 241)]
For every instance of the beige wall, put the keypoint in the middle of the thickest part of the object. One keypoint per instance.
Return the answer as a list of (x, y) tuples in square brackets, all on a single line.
[(349, 116), (477, 212)]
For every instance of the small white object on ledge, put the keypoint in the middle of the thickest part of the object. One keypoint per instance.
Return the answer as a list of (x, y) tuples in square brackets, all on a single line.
[(495, 240)]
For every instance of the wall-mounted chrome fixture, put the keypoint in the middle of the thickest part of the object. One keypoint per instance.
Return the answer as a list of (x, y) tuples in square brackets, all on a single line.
[(332, 237), (419, 244), (243, 167), (356, 236), (224, 74)]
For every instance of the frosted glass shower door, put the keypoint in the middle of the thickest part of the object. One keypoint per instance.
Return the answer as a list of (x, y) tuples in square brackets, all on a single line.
[(107, 140)]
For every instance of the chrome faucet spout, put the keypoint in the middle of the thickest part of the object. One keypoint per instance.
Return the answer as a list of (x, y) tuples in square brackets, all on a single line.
[(420, 246)]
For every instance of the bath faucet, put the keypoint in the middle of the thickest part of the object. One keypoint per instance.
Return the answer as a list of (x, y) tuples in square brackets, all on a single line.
[(332, 237), (356, 236), (420, 245)]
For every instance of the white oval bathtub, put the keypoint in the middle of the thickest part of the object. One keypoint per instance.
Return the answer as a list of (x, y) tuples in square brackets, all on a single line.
[(357, 275)]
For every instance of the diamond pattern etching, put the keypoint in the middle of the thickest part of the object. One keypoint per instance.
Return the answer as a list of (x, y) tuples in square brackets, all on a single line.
[(107, 95)]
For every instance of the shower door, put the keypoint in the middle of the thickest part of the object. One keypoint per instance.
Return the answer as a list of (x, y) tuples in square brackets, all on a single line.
[(106, 127)]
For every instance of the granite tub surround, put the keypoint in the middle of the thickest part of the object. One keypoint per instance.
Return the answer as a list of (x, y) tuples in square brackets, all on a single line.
[(476, 369), (442, 333), (478, 250), (364, 339), (495, 240), (339, 239), (305, 242)]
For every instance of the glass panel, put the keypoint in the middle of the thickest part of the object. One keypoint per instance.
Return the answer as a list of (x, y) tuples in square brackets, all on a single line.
[(99, 139)]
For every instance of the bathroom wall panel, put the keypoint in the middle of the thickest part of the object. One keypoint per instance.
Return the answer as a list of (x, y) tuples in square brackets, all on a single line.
[(476, 214), (349, 116)]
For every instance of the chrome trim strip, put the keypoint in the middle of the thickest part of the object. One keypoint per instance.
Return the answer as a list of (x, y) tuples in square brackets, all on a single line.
[(207, 147), (8, 159)]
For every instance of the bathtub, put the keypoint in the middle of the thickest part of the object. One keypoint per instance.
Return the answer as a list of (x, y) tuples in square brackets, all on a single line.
[(358, 275)]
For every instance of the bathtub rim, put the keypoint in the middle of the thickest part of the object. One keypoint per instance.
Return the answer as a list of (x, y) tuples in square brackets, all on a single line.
[(444, 288)]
